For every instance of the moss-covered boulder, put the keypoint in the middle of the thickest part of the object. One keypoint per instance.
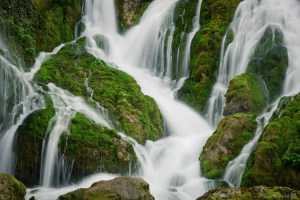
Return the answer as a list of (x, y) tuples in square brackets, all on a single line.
[(28, 144), (129, 12), (276, 159), (215, 17), (252, 193), (31, 26), (270, 60), (244, 95), (93, 148), (225, 144), (130, 110), (126, 188), (11, 188)]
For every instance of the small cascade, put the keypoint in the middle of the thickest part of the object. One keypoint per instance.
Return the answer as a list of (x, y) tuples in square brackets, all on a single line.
[(18, 100), (286, 16), (66, 106)]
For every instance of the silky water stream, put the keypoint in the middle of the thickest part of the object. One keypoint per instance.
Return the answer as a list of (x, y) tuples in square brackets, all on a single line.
[(171, 165)]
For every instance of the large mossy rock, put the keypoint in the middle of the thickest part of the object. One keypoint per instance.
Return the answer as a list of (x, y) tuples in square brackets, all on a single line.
[(31, 26), (244, 95), (225, 144), (130, 110), (215, 16), (126, 188), (252, 193), (252, 91), (270, 61), (28, 144), (93, 148), (276, 159), (129, 12), (11, 188)]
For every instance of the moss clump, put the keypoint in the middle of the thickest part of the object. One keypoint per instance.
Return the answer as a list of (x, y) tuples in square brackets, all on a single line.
[(270, 60), (130, 12), (28, 144), (268, 164), (244, 95), (31, 26), (252, 193), (131, 111), (205, 50), (11, 188), (95, 148), (225, 144)]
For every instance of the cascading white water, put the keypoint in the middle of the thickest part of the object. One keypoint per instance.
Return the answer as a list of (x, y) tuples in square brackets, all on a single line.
[(285, 15), (248, 27), (18, 100), (66, 106), (171, 165)]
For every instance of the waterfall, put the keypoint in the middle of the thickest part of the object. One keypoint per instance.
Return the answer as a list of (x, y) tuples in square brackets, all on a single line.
[(18, 100), (256, 15)]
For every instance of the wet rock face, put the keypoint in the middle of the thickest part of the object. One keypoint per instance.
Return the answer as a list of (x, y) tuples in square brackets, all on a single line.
[(11, 188), (126, 188), (244, 95), (89, 148), (128, 11), (225, 144), (257, 192), (276, 159)]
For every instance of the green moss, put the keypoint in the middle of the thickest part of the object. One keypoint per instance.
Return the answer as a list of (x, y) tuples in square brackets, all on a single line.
[(275, 161), (252, 193), (11, 188), (86, 138), (270, 60), (33, 26), (133, 12), (205, 50), (225, 144), (244, 95), (131, 111), (28, 143)]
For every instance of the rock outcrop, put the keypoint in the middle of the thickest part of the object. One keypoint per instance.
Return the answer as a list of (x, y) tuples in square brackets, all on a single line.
[(33, 26), (225, 144), (125, 188), (93, 148), (252, 91), (270, 61), (11, 188), (215, 16), (252, 193), (244, 95), (276, 159), (130, 11), (28, 144), (130, 110)]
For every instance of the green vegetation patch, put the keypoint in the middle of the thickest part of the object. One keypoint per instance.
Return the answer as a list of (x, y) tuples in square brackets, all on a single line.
[(232, 134), (205, 51), (270, 60), (28, 143), (244, 95), (276, 158), (31, 26), (131, 111), (11, 188), (129, 13), (252, 193), (94, 147)]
